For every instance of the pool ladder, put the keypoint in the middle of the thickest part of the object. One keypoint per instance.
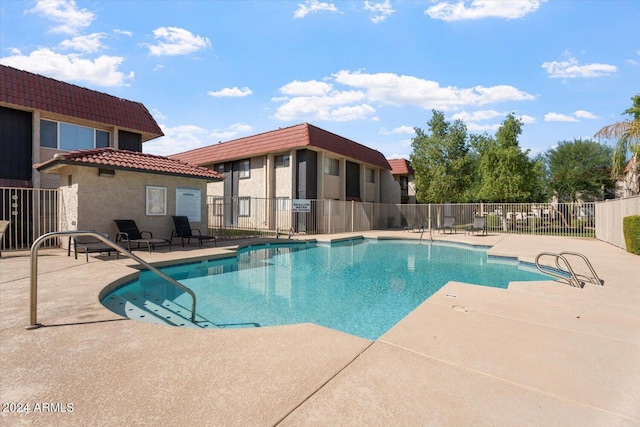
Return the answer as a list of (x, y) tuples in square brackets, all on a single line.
[(573, 279)]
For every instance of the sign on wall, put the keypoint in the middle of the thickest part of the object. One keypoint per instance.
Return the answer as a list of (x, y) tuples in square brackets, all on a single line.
[(188, 203), (301, 205), (156, 200)]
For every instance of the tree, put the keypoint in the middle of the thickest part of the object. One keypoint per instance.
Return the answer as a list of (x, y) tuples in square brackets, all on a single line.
[(506, 173), (627, 133), (579, 170), (441, 161)]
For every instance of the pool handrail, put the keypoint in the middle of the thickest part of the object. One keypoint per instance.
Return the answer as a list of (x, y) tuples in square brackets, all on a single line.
[(33, 315)]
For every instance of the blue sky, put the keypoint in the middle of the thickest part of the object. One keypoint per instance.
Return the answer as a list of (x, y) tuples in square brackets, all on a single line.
[(370, 71)]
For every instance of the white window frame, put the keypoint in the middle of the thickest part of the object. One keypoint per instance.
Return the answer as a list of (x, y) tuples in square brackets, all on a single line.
[(58, 139)]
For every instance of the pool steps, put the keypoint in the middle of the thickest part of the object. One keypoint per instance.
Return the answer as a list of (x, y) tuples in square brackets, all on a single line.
[(154, 309), (151, 309)]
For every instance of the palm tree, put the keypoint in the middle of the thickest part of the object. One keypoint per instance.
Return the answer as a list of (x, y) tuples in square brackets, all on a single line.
[(628, 135)]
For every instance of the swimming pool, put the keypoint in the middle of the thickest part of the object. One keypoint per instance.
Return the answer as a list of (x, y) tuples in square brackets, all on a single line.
[(362, 287)]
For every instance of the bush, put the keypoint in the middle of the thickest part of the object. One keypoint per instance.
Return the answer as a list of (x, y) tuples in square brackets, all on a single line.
[(631, 231)]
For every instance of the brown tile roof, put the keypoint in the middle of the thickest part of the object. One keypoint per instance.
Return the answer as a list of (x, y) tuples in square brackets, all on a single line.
[(400, 167), (109, 158), (298, 136), (33, 91)]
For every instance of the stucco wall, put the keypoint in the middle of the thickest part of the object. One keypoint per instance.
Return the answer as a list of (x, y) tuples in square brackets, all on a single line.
[(389, 188), (283, 184), (254, 185), (93, 202)]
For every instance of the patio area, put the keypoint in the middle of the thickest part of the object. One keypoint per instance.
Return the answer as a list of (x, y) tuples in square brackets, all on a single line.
[(537, 353)]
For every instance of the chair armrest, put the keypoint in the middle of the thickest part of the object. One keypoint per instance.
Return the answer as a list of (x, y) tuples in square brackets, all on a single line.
[(148, 232), (196, 230), (122, 236)]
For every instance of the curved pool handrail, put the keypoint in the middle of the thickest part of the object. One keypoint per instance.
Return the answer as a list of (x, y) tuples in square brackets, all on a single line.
[(572, 280), (594, 276), (33, 315)]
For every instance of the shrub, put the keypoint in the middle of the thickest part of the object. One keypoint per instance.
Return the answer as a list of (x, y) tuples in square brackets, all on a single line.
[(631, 231)]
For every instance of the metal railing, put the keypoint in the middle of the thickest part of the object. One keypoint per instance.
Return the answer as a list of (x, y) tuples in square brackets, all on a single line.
[(573, 278), (33, 313), (263, 216), (32, 212)]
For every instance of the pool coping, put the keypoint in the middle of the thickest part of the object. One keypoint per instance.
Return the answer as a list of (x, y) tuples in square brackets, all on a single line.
[(310, 375)]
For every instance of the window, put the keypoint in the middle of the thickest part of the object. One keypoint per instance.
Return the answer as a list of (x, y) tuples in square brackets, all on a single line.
[(244, 170), (65, 136), (404, 183), (281, 161), (369, 175), (331, 166), (219, 167), (244, 206), (48, 134)]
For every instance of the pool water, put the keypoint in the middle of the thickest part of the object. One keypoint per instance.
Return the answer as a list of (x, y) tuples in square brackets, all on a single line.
[(360, 287)]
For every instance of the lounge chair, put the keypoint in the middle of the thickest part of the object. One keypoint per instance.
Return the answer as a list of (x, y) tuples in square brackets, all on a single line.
[(89, 245), (447, 224), (3, 228), (184, 231), (479, 225), (129, 233)]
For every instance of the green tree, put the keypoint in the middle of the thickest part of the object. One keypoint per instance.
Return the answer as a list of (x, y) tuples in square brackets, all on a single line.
[(441, 161), (627, 133), (506, 173), (579, 170)]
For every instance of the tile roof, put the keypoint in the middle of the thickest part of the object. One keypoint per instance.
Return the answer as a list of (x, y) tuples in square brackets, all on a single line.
[(109, 158), (400, 167), (33, 91), (298, 136)]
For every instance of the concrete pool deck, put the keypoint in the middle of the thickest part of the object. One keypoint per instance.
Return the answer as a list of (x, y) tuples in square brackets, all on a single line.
[(537, 353)]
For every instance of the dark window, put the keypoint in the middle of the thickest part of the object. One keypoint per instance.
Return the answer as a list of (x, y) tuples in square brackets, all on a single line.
[(404, 183), (16, 139), (281, 161), (48, 134), (244, 169), (129, 141), (102, 139)]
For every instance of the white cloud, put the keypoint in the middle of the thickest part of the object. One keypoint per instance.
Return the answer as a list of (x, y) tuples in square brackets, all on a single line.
[(88, 43), (189, 137), (477, 127), (231, 92), (557, 117), (526, 119), (176, 41), (177, 139), (478, 115), (399, 156), (399, 130), (322, 101), (231, 132), (157, 114), (123, 32), (308, 88), (101, 71), (313, 6), (392, 89), (570, 69), (582, 114), (334, 106), (479, 9), (381, 10), (64, 12)]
